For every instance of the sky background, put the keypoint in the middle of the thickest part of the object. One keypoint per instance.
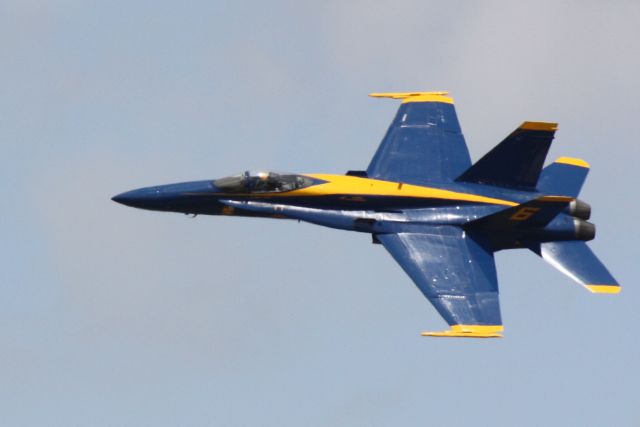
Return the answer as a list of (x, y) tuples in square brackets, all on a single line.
[(111, 316)]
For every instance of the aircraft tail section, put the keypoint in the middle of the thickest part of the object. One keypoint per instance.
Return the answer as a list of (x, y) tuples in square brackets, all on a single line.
[(517, 161), (564, 177), (576, 260), (534, 213)]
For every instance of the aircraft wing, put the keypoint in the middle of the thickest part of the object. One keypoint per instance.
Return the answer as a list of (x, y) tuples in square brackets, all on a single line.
[(455, 273), (424, 143)]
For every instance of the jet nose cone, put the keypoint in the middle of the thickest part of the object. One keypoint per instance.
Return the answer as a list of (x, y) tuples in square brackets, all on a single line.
[(121, 198), (145, 198)]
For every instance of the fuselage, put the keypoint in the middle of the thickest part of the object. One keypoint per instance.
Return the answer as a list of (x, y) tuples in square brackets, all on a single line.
[(440, 217), (347, 202)]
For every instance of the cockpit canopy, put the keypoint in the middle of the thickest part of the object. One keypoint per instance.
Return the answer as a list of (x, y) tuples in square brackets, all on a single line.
[(262, 182)]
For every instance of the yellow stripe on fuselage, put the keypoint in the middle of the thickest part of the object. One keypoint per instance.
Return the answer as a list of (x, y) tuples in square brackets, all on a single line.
[(345, 185)]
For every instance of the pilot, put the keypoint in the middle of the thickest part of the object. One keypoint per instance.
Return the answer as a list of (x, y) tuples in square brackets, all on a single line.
[(265, 182)]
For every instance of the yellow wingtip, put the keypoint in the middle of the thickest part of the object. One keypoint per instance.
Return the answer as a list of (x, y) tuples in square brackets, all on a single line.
[(573, 161), (438, 96), (469, 331), (604, 289), (546, 126)]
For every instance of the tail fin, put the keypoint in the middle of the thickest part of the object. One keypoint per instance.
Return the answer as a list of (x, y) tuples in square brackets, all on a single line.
[(534, 213), (576, 260), (565, 177), (517, 161)]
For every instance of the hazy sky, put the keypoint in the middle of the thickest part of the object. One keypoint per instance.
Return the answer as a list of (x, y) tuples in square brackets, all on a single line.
[(111, 316)]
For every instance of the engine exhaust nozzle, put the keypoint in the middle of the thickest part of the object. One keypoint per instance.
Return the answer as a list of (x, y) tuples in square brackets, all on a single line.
[(585, 230), (579, 209)]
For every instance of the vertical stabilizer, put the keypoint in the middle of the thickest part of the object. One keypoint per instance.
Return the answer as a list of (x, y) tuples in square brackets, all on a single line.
[(517, 161)]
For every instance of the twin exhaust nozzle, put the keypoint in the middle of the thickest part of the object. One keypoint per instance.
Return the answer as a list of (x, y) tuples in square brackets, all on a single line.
[(581, 211)]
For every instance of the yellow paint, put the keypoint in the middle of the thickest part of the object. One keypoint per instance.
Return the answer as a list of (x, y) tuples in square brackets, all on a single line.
[(524, 214), (228, 210), (573, 162), (352, 188), (470, 331), (551, 127), (556, 199), (603, 289), (416, 96), (363, 187)]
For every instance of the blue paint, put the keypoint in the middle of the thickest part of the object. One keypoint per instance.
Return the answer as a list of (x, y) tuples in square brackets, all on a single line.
[(452, 270), (423, 145), (562, 179), (578, 262), (446, 245), (514, 163)]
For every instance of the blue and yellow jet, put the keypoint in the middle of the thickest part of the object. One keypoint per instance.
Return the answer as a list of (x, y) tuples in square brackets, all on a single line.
[(439, 216)]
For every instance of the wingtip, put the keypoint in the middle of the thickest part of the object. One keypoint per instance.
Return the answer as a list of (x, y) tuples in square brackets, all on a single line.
[(469, 331), (437, 96), (604, 289), (573, 162), (451, 334)]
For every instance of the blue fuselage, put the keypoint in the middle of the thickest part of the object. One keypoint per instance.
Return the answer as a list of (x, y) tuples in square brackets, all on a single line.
[(348, 203)]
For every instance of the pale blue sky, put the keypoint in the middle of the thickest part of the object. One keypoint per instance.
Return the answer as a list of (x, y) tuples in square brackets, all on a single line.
[(111, 316)]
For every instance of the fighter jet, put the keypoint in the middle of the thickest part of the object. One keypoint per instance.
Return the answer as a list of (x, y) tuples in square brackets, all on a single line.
[(439, 216)]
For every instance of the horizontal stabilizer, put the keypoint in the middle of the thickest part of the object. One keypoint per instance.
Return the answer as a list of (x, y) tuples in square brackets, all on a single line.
[(577, 261), (517, 161), (565, 176), (534, 213)]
